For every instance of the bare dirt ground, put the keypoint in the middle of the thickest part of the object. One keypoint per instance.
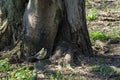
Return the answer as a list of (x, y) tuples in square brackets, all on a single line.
[(108, 22), (106, 66)]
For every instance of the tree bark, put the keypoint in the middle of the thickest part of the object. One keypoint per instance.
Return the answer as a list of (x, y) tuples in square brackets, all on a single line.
[(73, 37), (76, 30), (56, 25), (41, 25), (11, 12)]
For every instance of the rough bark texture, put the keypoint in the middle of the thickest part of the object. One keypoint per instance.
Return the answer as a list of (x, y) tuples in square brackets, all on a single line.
[(11, 12), (57, 25), (77, 21), (41, 24), (73, 38)]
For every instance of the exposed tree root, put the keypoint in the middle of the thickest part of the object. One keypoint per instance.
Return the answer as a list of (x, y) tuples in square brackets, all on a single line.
[(15, 54), (4, 30), (64, 53)]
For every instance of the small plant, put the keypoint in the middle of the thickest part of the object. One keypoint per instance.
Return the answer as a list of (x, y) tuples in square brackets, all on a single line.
[(14, 74), (92, 14), (52, 77), (86, 3), (57, 76), (115, 33), (102, 69), (97, 35), (5, 66), (21, 74)]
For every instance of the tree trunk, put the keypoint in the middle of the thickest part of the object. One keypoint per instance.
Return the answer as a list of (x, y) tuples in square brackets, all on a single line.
[(56, 25), (73, 38), (11, 13), (41, 25), (74, 28)]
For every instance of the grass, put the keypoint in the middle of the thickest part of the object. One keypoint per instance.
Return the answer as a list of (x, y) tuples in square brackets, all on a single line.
[(115, 33), (113, 8), (103, 69), (57, 76), (14, 74), (86, 3), (5, 66), (97, 35), (92, 14), (20, 74)]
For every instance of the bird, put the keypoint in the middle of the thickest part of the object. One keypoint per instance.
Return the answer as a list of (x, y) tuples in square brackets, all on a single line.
[(39, 56)]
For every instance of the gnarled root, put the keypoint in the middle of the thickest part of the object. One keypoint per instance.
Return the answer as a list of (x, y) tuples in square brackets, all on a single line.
[(64, 53), (15, 54)]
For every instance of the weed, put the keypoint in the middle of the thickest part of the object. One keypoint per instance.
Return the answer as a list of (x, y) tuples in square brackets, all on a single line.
[(21, 74), (97, 35), (5, 66), (57, 76), (115, 33), (14, 74), (86, 3), (92, 14), (102, 69)]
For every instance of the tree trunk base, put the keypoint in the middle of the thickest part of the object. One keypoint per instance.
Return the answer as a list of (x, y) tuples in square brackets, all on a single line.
[(64, 53), (15, 55)]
